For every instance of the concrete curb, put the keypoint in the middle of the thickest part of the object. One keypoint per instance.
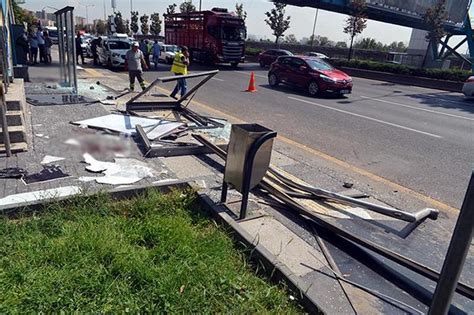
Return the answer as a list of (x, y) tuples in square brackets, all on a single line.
[(274, 268), (451, 86)]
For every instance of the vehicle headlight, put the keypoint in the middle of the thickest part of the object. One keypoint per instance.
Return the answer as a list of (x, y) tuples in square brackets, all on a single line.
[(115, 55), (327, 79)]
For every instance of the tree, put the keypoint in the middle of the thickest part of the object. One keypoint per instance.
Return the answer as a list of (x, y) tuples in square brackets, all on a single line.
[(171, 9), (155, 24), (341, 45), (291, 39), (134, 22), (277, 21), (127, 26), (144, 27), (23, 16), (101, 28), (119, 23), (187, 6), (324, 41), (355, 23), (434, 18), (239, 10)]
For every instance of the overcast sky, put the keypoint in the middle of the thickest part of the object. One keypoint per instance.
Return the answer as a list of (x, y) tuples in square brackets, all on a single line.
[(328, 24)]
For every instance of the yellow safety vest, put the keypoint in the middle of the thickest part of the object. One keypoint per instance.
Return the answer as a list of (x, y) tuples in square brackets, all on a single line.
[(178, 66)]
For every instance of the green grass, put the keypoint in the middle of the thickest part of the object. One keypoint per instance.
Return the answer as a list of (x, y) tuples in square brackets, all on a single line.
[(152, 253)]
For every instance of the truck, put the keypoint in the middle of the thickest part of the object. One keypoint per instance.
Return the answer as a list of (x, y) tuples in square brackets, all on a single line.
[(214, 36)]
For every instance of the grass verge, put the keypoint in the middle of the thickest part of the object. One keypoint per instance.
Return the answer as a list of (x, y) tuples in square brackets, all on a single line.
[(155, 253)]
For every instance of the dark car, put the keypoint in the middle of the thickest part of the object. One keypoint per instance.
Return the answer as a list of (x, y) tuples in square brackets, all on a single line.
[(269, 56), (310, 73)]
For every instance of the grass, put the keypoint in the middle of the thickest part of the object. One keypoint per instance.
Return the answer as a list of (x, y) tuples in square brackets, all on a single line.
[(155, 253)]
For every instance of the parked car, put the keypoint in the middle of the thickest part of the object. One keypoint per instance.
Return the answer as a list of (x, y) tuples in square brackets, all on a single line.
[(112, 50), (269, 56), (468, 87), (317, 55), (53, 33), (310, 73), (167, 53)]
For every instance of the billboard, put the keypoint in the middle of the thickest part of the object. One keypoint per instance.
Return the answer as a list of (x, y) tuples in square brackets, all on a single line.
[(457, 9)]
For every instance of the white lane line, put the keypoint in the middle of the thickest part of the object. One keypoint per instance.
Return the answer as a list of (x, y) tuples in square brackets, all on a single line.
[(366, 117), (217, 79), (248, 73), (416, 108)]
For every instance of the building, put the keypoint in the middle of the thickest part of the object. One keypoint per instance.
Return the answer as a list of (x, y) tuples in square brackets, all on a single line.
[(79, 20)]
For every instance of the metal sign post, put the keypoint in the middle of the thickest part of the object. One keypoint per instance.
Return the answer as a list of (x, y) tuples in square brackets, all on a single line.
[(456, 256), (67, 47)]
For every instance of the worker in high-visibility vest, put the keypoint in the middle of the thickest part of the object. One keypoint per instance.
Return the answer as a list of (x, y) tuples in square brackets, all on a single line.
[(180, 67)]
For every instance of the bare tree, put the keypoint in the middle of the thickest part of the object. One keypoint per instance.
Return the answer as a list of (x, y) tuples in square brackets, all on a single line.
[(355, 23), (277, 21), (144, 27), (239, 10)]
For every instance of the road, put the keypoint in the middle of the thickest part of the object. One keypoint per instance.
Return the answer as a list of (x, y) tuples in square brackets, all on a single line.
[(420, 138)]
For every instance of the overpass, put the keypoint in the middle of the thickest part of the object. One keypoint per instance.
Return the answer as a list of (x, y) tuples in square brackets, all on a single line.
[(409, 14)]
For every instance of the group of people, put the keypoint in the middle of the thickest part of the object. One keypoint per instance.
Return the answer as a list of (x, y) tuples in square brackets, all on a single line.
[(36, 43), (136, 60), (150, 49)]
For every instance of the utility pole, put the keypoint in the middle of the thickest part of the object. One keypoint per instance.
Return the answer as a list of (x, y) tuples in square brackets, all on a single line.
[(200, 4), (314, 26), (105, 13)]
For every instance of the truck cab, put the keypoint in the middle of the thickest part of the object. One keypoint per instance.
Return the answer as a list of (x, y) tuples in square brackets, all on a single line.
[(112, 50)]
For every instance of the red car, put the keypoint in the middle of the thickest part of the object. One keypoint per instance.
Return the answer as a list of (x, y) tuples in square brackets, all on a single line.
[(310, 73), (269, 56)]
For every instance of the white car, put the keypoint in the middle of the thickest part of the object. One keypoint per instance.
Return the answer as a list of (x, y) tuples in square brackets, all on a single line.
[(167, 53), (112, 51), (468, 87), (317, 55)]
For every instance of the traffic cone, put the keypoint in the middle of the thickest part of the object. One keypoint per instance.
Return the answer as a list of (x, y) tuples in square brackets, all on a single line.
[(252, 87)]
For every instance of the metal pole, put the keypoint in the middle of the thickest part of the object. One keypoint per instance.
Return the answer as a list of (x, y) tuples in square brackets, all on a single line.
[(314, 26), (74, 60), (59, 24), (456, 255), (6, 135), (200, 5), (105, 13)]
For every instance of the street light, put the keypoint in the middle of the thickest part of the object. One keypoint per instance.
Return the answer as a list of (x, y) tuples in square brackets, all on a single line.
[(87, 6)]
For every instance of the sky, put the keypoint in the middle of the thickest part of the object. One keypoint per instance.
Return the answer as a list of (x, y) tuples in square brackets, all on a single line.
[(328, 23)]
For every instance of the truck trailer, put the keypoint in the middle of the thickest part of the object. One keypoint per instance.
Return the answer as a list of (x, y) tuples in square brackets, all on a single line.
[(214, 36)]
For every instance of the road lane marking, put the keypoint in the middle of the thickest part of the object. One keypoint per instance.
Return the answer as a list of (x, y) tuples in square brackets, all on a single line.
[(435, 203), (248, 73), (93, 73), (416, 108), (217, 79), (367, 117)]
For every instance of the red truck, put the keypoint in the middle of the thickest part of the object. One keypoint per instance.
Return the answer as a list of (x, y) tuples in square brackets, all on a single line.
[(215, 36)]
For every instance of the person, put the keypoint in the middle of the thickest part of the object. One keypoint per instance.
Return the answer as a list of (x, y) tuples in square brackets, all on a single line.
[(156, 53), (33, 40), (48, 43), (94, 44), (40, 38), (180, 67), (22, 49), (79, 51), (134, 61)]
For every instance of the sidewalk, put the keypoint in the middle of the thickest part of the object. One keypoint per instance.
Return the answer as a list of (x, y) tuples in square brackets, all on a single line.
[(288, 238)]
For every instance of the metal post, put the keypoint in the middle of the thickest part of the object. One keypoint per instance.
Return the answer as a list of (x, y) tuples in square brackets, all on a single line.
[(59, 24), (314, 27), (3, 112), (74, 62), (248, 164), (456, 255), (225, 187)]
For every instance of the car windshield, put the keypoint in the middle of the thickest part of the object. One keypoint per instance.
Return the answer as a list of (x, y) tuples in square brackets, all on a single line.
[(172, 48), (233, 33), (316, 64), (118, 45)]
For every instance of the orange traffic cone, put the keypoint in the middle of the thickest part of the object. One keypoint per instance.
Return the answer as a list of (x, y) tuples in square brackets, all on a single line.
[(252, 87)]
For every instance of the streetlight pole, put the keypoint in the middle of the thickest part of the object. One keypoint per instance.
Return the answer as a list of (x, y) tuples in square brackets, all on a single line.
[(314, 27), (200, 4)]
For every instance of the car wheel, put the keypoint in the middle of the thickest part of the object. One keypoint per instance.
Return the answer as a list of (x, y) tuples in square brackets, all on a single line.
[(234, 64), (262, 65), (313, 88), (273, 79), (109, 63)]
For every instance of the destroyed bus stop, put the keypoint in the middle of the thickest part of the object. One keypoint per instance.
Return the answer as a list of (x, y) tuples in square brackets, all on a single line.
[(93, 145)]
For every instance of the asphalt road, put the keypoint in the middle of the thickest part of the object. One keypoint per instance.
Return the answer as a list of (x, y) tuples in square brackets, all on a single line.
[(420, 138)]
